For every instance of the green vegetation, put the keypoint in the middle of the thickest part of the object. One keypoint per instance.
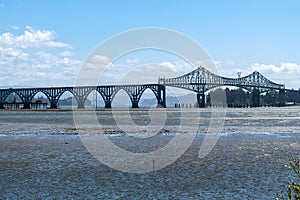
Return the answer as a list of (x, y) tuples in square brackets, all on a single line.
[(292, 190), (243, 98)]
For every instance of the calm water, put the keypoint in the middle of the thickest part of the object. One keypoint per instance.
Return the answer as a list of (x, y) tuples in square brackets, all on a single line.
[(41, 157)]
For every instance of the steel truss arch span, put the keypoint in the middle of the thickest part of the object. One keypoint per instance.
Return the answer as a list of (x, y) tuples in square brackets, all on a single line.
[(201, 80)]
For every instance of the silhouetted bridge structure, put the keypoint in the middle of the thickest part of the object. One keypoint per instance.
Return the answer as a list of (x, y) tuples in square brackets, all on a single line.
[(81, 93), (200, 81)]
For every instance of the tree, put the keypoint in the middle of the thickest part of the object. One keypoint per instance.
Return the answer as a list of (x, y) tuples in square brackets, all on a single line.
[(292, 190)]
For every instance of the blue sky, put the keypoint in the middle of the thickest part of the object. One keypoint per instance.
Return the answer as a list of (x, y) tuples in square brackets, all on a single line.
[(238, 35)]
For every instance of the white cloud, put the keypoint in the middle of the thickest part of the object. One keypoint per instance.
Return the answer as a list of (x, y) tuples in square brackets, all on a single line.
[(99, 59), (34, 58), (284, 68), (96, 62), (12, 54), (266, 68), (285, 73), (32, 39), (132, 60), (148, 73), (168, 65), (13, 27), (66, 54)]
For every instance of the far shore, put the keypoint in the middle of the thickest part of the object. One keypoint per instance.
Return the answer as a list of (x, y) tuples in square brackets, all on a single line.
[(137, 109)]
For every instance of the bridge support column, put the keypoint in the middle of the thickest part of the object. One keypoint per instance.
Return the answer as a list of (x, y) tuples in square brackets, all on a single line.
[(107, 104), (281, 98), (53, 105), (80, 105), (255, 98), (107, 93), (1, 106), (200, 100), (80, 101), (161, 99), (161, 104), (26, 105), (135, 104)]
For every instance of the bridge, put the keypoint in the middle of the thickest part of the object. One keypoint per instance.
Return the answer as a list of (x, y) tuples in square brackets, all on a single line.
[(107, 92), (200, 81)]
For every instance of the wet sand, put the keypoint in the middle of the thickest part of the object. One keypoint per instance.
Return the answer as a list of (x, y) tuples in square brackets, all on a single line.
[(241, 166), (42, 157)]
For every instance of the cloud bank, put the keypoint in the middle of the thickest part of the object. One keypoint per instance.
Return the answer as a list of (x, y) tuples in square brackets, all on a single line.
[(36, 58)]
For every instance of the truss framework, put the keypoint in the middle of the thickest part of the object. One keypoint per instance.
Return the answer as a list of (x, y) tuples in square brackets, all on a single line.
[(201, 80)]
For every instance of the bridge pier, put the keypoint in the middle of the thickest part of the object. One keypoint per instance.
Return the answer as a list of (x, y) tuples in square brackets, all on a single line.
[(53, 105), (107, 104), (26, 105), (281, 98), (80, 101), (200, 100), (161, 104), (1, 106), (135, 104), (80, 105), (255, 98), (161, 94), (134, 101)]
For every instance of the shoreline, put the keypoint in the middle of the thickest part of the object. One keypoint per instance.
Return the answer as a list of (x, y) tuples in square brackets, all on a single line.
[(147, 109)]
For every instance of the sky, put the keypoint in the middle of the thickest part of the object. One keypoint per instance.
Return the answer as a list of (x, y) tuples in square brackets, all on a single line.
[(45, 43)]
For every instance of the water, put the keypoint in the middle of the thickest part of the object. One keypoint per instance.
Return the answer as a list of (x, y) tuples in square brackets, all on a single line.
[(41, 157)]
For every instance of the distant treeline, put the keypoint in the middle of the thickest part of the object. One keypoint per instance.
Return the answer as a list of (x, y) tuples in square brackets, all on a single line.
[(241, 98)]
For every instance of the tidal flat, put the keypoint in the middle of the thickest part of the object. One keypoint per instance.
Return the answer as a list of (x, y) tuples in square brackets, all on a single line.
[(42, 156)]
